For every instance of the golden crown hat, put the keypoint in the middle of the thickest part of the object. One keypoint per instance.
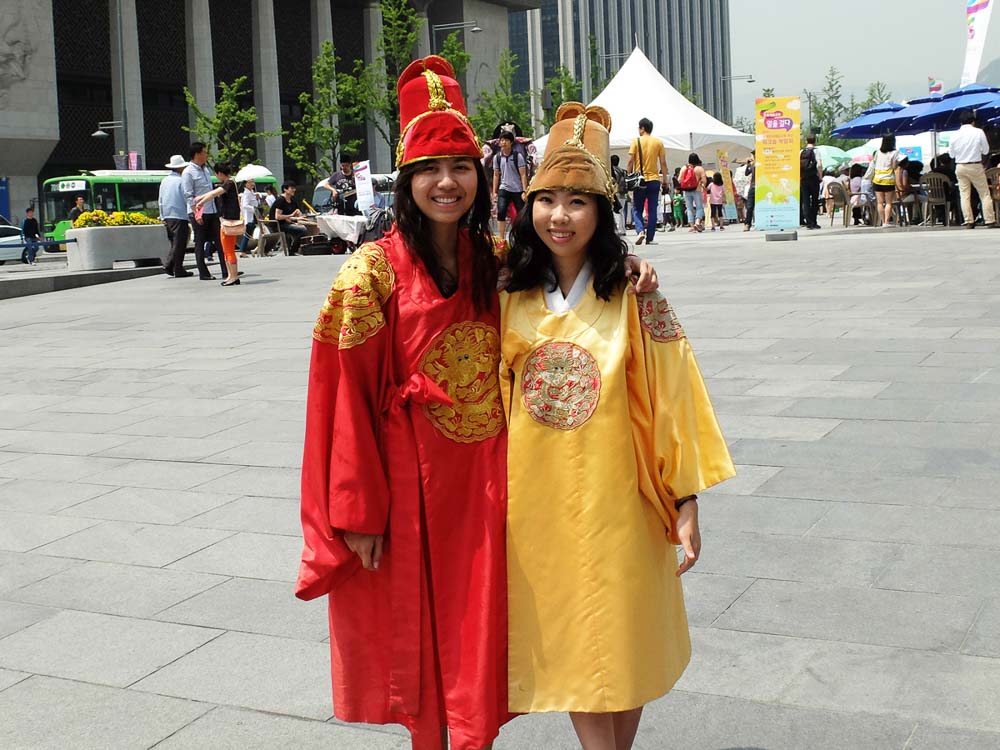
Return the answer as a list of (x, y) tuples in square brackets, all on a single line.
[(433, 121), (578, 153)]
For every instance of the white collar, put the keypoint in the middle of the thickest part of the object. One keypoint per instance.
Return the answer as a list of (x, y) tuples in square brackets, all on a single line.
[(557, 303)]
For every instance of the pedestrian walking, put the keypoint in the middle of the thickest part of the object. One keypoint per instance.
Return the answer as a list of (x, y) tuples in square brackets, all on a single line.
[(692, 181), (510, 180), (197, 181), (810, 169), (751, 196), (969, 148), (884, 171), (231, 221), (31, 236), (717, 200), (596, 609), (647, 156), (174, 215)]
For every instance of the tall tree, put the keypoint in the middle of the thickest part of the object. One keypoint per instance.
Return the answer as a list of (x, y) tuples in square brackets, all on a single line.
[(454, 52), (315, 137), (767, 93), (370, 93), (562, 87), (229, 133), (502, 104), (687, 91)]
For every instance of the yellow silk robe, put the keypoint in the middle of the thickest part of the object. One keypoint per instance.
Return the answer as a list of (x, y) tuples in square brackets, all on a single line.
[(609, 424)]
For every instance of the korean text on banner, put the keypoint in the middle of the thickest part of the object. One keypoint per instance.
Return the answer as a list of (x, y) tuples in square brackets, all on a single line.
[(977, 20), (363, 183), (722, 159), (779, 122)]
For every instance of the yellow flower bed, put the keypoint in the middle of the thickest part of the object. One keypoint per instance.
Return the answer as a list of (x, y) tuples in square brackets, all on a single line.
[(114, 219)]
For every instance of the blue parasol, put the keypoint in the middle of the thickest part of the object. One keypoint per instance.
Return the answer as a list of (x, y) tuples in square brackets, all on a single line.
[(869, 123), (983, 100)]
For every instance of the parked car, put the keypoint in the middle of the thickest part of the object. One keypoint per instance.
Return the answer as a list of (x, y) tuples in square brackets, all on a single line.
[(10, 243)]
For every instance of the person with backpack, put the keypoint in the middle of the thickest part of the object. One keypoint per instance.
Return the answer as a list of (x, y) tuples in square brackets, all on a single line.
[(647, 156), (692, 182), (510, 179), (621, 192), (810, 168)]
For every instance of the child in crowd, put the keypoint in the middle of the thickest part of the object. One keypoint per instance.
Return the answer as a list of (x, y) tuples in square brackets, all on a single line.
[(717, 200), (612, 435)]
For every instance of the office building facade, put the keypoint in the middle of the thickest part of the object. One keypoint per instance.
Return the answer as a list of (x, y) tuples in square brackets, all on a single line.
[(687, 40), (69, 66)]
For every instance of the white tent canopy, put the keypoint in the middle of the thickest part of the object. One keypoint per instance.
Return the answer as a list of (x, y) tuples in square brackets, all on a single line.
[(638, 90)]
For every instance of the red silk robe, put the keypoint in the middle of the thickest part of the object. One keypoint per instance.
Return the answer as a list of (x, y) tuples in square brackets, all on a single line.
[(405, 435)]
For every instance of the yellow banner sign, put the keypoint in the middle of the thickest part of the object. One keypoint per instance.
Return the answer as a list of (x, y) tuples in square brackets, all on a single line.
[(779, 122)]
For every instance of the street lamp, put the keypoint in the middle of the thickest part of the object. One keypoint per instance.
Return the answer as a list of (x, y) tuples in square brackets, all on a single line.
[(472, 26), (104, 126), (748, 78)]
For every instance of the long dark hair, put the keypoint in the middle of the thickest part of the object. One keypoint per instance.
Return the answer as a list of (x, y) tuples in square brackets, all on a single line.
[(416, 233), (530, 259), (888, 144)]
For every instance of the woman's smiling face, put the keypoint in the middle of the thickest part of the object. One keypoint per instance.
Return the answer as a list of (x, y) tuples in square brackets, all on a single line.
[(566, 221), (445, 189)]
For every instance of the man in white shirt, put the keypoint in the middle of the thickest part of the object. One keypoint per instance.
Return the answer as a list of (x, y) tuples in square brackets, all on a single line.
[(968, 148)]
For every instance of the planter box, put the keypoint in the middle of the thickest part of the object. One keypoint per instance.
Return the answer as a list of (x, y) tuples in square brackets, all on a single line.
[(98, 248)]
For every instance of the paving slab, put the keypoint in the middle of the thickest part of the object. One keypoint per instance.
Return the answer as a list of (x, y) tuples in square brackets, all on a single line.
[(928, 622), (928, 737), (128, 590), (42, 713), (145, 505), (20, 532), (278, 675), (41, 496), (132, 543), (101, 649), (252, 606), (265, 556), (268, 515), (857, 381), (232, 729), (15, 616)]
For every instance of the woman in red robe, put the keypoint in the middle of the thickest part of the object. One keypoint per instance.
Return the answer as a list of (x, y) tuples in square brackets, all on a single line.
[(404, 473)]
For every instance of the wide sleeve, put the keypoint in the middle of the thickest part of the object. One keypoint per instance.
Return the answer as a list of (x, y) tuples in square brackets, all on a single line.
[(344, 485), (679, 445)]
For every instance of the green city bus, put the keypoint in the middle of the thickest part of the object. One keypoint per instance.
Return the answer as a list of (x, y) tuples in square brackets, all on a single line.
[(105, 189)]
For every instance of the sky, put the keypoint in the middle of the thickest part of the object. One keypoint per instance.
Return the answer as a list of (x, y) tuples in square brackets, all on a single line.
[(789, 45)]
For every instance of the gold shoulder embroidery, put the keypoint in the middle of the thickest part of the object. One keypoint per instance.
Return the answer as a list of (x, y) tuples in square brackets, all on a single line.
[(352, 313), (657, 318)]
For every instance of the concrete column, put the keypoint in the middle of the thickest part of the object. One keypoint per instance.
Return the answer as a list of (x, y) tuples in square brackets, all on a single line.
[(266, 91), (567, 55), (378, 150), (587, 84), (424, 40), (200, 65), (536, 69), (322, 31), (127, 104)]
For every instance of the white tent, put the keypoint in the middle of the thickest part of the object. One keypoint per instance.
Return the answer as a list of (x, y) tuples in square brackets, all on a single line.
[(638, 90)]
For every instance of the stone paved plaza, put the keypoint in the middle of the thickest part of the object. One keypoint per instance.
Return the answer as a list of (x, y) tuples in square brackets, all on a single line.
[(848, 596)]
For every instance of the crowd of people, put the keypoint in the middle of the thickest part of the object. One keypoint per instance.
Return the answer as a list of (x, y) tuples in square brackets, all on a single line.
[(225, 220)]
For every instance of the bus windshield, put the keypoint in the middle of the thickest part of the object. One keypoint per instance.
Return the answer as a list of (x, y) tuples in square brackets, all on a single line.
[(59, 197)]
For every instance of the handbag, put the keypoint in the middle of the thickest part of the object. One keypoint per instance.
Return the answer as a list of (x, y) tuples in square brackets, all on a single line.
[(233, 227), (635, 180)]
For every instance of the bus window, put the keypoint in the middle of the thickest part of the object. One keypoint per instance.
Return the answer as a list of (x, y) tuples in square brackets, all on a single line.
[(59, 197), (105, 197), (140, 196)]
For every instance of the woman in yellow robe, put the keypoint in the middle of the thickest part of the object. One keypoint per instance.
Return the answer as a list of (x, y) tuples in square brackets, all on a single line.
[(612, 435)]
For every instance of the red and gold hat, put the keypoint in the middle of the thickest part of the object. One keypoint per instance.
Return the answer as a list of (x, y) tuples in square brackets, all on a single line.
[(433, 121)]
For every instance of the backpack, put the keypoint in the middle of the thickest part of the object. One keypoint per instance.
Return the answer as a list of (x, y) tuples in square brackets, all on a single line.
[(688, 179), (807, 163)]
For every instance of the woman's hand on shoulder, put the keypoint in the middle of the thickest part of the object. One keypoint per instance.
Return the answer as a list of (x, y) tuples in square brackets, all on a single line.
[(690, 535), (641, 274), (366, 546)]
